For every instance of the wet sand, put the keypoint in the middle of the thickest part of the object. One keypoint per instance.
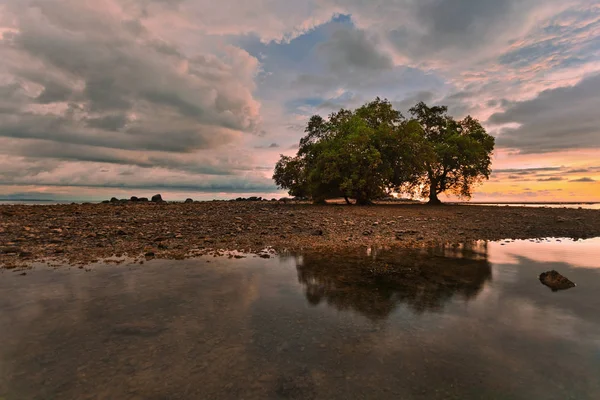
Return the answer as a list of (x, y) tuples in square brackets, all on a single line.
[(84, 233)]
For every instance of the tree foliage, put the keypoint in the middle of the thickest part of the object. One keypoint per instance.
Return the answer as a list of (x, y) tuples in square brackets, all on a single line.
[(373, 151)]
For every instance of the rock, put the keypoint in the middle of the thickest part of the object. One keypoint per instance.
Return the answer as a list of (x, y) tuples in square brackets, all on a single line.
[(157, 198), (105, 201), (133, 198), (318, 232), (10, 250), (188, 201), (149, 254), (555, 281), (143, 199), (114, 200)]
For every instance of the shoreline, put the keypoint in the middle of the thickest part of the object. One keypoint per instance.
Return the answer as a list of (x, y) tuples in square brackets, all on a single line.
[(79, 234)]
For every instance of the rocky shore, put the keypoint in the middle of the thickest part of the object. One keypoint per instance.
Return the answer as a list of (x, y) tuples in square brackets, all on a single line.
[(84, 233)]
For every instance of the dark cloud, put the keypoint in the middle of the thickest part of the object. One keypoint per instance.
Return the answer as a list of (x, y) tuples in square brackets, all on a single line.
[(459, 29), (551, 179), (586, 179), (270, 146), (231, 186), (206, 163), (557, 119), (526, 171), (351, 48)]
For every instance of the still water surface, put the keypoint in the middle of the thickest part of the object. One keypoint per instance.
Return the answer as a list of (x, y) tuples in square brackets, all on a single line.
[(463, 323)]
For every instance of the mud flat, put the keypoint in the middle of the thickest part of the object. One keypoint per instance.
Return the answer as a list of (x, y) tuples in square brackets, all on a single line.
[(84, 233)]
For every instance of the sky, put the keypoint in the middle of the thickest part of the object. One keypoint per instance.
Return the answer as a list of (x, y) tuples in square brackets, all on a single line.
[(198, 98)]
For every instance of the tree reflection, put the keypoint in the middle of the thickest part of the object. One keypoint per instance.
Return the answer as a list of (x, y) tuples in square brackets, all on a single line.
[(376, 282)]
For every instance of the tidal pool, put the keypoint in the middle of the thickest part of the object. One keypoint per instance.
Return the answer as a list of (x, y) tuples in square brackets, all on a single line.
[(467, 322)]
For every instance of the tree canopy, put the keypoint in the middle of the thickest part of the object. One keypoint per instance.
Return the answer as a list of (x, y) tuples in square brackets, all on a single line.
[(374, 150)]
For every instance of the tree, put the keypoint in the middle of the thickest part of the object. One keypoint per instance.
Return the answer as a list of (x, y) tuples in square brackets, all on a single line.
[(373, 150), (457, 155), (289, 173)]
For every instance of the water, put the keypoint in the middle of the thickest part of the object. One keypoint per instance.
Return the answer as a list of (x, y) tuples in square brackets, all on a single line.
[(585, 206), (471, 322), (37, 202)]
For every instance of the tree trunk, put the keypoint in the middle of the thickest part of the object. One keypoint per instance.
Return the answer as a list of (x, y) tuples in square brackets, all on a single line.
[(347, 200), (433, 199), (363, 201)]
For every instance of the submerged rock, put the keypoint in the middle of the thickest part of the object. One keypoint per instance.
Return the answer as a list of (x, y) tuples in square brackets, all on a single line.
[(555, 281)]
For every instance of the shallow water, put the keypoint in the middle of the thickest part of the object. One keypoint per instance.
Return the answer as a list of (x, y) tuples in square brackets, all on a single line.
[(471, 322), (584, 206)]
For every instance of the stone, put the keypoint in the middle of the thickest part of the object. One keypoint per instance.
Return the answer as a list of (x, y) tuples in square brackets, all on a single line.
[(10, 250), (188, 201), (114, 200), (555, 281), (157, 198), (143, 199), (133, 198)]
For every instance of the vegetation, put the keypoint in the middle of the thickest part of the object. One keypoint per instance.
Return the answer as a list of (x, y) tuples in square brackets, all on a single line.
[(374, 151)]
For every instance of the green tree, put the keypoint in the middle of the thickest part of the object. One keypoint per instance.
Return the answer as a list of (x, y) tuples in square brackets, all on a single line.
[(290, 174), (457, 154), (373, 150)]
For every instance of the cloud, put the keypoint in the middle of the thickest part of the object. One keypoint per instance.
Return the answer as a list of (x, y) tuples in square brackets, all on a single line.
[(557, 119), (270, 146), (83, 76), (350, 48), (526, 171), (551, 179), (586, 179)]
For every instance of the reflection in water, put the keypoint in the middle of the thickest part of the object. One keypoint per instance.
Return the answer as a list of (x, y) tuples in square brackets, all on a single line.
[(375, 285), (413, 325)]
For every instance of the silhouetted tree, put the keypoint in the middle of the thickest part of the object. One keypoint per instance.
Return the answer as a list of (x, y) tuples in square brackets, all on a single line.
[(458, 153)]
